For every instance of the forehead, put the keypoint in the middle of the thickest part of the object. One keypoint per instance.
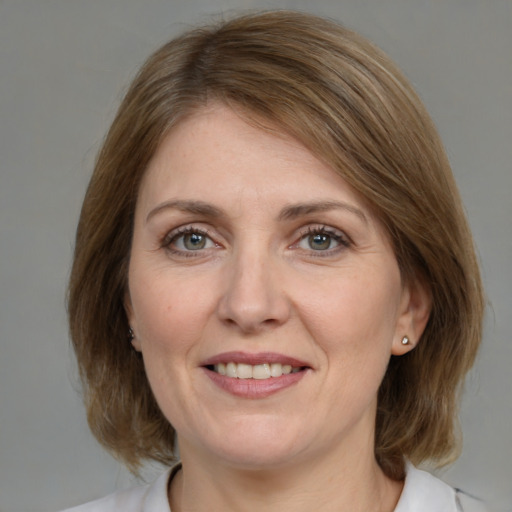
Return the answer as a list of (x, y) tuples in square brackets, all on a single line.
[(218, 147)]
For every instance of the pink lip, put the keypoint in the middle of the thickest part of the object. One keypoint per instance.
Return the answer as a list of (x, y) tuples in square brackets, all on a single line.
[(253, 359), (254, 388)]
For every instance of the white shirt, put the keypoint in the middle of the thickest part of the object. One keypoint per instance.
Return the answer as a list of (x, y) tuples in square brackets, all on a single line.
[(422, 492)]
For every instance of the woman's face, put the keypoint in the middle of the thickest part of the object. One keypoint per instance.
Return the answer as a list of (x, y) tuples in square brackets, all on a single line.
[(264, 296)]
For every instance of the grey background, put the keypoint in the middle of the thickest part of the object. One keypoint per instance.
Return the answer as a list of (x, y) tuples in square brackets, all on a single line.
[(63, 67)]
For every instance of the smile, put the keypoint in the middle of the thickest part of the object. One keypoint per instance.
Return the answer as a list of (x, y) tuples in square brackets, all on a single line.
[(254, 376), (258, 371)]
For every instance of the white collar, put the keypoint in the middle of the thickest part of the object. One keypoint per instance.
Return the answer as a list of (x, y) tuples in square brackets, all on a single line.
[(424, 492)]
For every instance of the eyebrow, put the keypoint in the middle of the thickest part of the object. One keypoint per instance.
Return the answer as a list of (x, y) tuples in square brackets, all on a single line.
[(196, 207), (301, 209), (287, 213)]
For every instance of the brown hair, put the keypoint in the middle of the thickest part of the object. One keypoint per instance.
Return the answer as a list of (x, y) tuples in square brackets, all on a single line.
[(349, 105)]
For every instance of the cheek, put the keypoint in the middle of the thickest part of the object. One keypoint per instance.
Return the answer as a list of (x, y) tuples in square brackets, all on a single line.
[(353, 320), (362, 305), (170, 312)]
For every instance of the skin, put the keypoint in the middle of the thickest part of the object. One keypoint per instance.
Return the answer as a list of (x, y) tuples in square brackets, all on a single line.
[(262, 283)]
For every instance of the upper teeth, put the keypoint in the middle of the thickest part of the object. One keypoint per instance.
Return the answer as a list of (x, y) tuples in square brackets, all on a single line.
[(258, 371)]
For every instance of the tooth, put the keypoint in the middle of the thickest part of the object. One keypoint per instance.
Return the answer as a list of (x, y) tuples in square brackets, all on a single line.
[(276, 369), (244, 371), (231, 370), (261, 371)]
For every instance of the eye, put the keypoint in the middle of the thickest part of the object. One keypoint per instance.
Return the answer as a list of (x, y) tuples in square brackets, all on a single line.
[(322, 240), (188, 240), (318, 242)]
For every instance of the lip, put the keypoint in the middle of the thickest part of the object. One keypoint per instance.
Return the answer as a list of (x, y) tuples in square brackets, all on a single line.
[(254, 388)]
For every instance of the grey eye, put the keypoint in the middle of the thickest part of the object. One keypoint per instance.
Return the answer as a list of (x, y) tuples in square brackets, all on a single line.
[(320, 241), (194, 241), (191, 241)]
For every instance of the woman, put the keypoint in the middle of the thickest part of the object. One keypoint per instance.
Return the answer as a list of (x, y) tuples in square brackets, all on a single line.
[(273, 265)]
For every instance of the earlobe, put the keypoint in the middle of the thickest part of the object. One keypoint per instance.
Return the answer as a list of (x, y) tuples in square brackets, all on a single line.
[(132, 328), (415, 312), (133, 340)]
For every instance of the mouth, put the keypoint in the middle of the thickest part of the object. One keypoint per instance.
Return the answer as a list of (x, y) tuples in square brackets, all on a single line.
[(254, 375)]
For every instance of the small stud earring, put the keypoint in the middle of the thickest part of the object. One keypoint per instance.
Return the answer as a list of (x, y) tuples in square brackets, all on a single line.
[(131, 336), (405, 340)]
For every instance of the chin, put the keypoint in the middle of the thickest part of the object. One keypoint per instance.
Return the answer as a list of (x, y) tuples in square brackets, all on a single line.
[(259, 446)]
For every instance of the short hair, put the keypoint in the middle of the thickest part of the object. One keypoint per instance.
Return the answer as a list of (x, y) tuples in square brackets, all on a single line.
[(347, 103)]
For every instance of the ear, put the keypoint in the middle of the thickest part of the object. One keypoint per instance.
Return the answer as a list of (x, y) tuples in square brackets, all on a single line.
[(415, 307), (131, 321)]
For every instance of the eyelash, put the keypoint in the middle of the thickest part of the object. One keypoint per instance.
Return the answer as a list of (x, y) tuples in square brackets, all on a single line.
[(176, 234), (340, 238)]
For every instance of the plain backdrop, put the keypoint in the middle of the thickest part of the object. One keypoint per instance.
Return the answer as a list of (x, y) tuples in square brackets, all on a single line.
[(63, 67)]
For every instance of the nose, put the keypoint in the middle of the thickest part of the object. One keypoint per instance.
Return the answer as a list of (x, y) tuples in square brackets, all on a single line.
[(254, 298)]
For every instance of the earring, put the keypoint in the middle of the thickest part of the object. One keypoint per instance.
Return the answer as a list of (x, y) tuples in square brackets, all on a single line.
[(131, 336), (405, 340)]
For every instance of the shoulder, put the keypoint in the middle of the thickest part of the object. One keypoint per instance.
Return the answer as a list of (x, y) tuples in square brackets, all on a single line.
[(424, 492), (144, 498)]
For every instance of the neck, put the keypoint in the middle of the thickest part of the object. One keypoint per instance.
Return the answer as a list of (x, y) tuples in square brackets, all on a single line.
[(329, 483)]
